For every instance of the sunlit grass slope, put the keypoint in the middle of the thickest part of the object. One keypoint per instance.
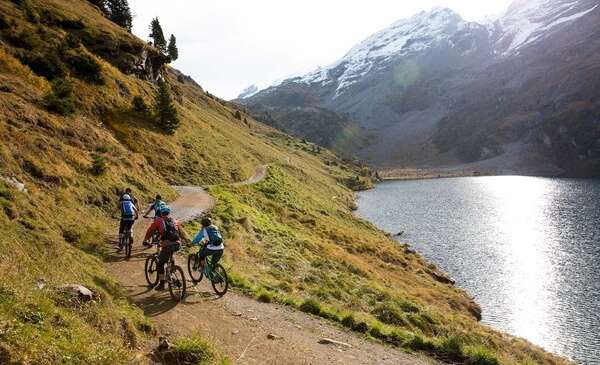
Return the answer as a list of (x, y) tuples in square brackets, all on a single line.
[(291, 238)]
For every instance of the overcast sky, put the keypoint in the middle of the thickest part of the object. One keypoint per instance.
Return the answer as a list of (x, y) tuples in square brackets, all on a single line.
[(227, 45)]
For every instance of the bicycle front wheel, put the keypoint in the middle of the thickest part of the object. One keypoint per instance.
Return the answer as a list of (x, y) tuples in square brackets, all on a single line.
[(220, 282), (177, 284), (194, 269), (151, 270)]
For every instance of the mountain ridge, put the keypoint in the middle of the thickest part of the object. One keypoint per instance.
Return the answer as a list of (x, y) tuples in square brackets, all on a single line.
[(402, 101)]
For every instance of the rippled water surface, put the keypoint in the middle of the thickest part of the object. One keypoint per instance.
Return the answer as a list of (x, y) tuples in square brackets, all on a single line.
[(527, 249)]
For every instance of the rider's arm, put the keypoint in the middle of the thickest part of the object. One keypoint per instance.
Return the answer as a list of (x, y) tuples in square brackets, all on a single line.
[(200, 236), (150, 208)]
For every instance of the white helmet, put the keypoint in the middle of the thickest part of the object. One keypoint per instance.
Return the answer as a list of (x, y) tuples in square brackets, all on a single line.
[(126, 197)]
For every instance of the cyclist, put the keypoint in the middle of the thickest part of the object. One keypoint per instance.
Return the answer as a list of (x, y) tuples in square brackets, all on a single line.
[(129, 193), (129, 214), (170, 241), (212, 242), (156, 206)]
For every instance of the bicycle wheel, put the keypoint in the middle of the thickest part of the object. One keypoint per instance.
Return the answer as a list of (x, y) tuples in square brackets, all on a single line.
[(151, 270), (177, 283), (127, 244), (220, 282), (194, 269)]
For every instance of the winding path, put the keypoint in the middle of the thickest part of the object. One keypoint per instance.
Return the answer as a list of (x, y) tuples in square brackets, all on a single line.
[(247, 331)]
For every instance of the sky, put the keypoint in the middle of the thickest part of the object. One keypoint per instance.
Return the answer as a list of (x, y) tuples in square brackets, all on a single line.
[(228, 45)]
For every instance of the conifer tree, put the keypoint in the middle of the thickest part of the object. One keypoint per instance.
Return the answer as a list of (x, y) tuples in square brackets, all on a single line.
[(158, 38), (166, 113), (172, 48), (120, 13)]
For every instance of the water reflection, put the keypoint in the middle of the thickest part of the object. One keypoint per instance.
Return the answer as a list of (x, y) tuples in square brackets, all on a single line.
[(526, 249)]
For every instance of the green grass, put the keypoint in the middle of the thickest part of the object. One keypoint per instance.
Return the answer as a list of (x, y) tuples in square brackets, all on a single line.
[(192, 350)]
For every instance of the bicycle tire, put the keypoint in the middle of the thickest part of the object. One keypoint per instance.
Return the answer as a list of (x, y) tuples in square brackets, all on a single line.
[(220, 272), (151, 270), (127, 244), (192, 261), (180, 281)]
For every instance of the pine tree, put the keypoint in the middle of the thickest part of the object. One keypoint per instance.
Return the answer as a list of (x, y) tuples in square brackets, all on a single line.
[(156, 33), (120, 13), (166, 113), (172, 48)]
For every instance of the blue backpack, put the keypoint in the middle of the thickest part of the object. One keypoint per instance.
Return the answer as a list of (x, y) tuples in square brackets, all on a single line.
[(127, 208), (214, 236)]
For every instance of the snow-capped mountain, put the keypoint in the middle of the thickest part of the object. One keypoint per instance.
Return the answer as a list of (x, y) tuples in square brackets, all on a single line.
[(248, 92), (435, 90), (528, 21)]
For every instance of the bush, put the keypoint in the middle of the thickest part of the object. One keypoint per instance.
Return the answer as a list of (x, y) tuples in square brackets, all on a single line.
[(311, 306), (98, 165), (60, 99), (361, 327), (46, 65), (481, 356), (389, 315), (139, 105), (409, 307), (188, 350), (376, 332), (419, 343), (348, 321), (451, 348), (264, 296), (85, 66)]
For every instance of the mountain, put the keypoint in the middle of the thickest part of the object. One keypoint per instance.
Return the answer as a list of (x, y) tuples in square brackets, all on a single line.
[(248, 92), (436, 91)]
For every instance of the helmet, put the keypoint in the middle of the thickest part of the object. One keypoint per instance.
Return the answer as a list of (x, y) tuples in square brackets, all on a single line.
[(126, 197), (128, 190), (158, 197), (165, 211), (206, 222)]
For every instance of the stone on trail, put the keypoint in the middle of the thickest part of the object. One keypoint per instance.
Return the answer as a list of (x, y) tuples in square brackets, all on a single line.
[(76, 291), (271, 336), (329, 341)]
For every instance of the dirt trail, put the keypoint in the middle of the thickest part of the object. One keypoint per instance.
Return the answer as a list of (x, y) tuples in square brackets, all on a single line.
[(249, 332)]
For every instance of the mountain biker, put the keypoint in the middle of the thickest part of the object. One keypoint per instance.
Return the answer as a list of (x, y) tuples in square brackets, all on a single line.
[(212, 241), (156, 206), (131, 197), (129, 214), (170, 241)]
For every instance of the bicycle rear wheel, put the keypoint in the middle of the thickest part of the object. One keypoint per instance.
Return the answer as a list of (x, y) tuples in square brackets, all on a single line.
[(127, 243), (177, 284), (220, 282), (151, 270), (194, 269)]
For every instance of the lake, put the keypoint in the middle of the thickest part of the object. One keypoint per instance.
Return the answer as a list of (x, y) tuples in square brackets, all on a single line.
[(526, 248)]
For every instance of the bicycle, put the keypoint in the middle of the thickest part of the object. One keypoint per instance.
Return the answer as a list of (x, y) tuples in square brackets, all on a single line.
[(174, 275), (215, 273), (126, 241)]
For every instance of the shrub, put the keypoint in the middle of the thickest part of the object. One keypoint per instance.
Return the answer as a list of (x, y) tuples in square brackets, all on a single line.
[(388, 315), (409, 307), (85, 66), (139, 105), (451, 348), (60, 99), (376, 332), (188, 350), (361, 327), (420, 343), (46, 65), (98, 164), (481, 356), (264, 296), (348, 321), (311, 306)]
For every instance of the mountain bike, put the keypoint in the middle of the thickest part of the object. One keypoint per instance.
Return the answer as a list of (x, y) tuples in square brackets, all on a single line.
[(215, 273), (174, 275), (126, 241)]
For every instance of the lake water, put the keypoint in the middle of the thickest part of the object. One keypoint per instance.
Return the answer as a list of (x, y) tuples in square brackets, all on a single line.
[(527, 249)]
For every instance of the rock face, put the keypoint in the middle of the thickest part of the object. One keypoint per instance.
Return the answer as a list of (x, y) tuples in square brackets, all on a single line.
[(518, 94)]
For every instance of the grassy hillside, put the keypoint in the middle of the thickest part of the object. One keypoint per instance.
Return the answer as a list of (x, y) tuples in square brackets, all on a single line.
[(291, 238)]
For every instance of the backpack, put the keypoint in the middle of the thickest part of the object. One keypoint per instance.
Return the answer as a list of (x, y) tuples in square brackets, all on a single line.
[(214, 236), (127, 208), (158, 206), (170, 233)]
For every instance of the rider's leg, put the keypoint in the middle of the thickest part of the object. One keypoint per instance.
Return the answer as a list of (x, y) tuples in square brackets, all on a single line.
[(204, 252), (163, 258), (216, 256), (149, 232)]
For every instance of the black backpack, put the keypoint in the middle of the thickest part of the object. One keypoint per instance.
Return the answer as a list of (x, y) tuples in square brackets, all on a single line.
[(170, 233), (214, 236)]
